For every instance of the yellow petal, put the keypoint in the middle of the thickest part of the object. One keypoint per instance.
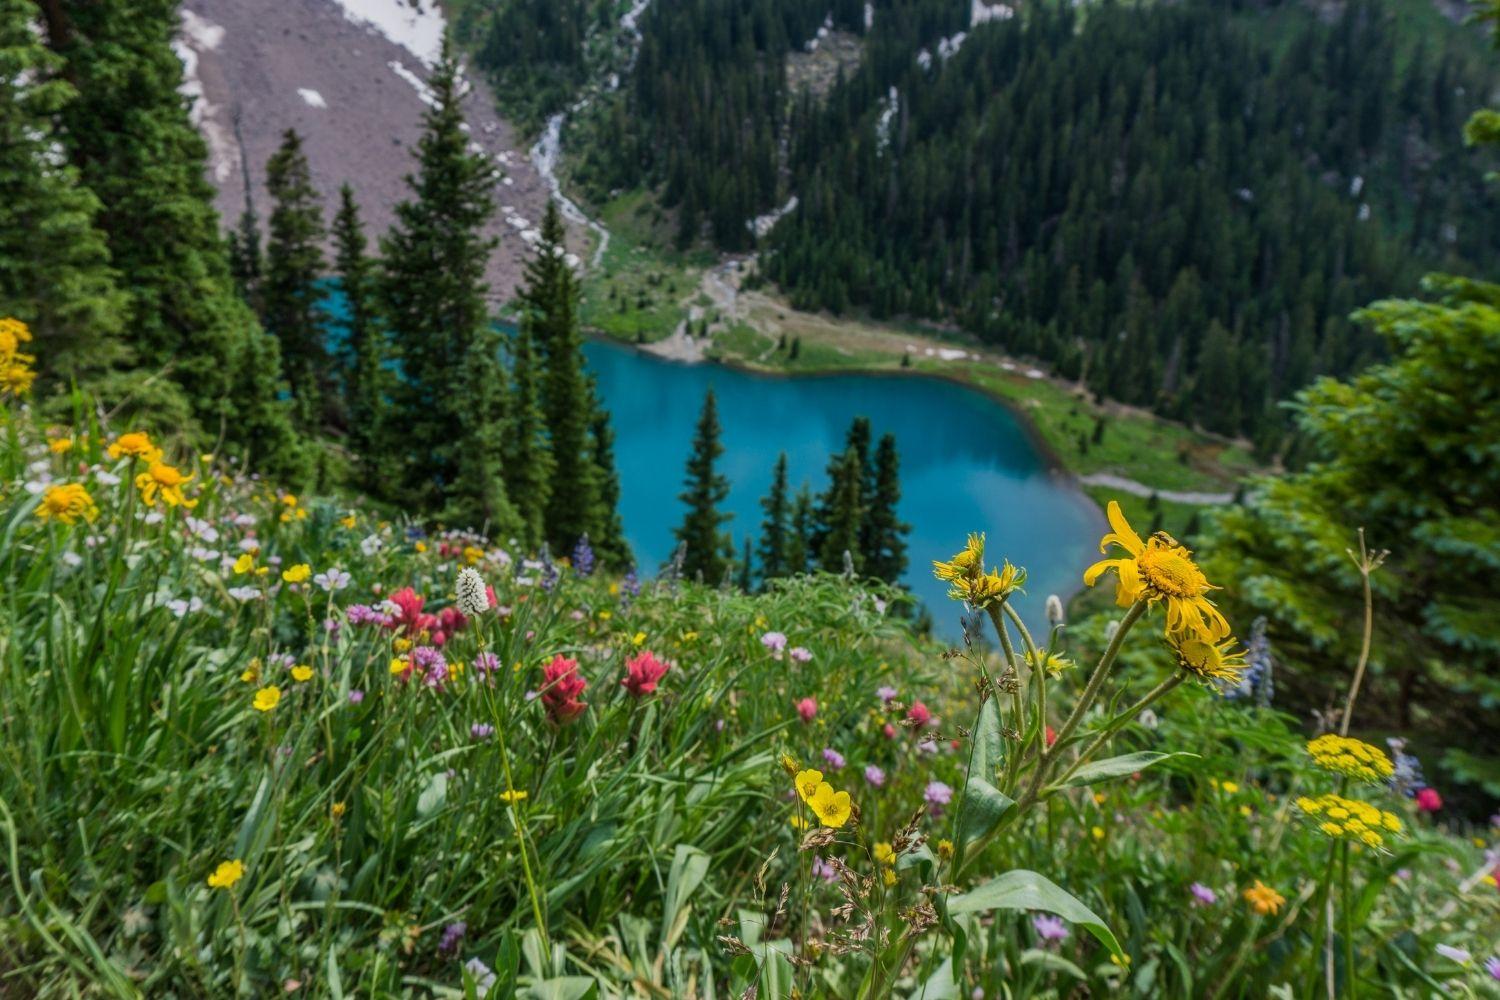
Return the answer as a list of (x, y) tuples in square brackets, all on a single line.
[(1123, 534)]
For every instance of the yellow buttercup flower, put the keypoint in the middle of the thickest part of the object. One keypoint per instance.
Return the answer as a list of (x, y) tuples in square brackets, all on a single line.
[(302, 673), (244, 564), (1159, 570), (66, 504), (1263, 899), (299, 573), (799, 823), (832, 808), (472, 554), (1351, 757), (398, 665), (884, 854), (136, 444), (227, 874), (807, 783), (337, 810), (510, 796), (168, 482), (267, 698), (348, 520), (251, 674), (1209, 661), (60, 446)]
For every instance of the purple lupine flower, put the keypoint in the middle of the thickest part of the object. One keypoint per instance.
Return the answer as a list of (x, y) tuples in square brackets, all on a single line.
[(453, 935), (824, 870), (886, 693), (774, 641), (583, 556), (486, 663), (833, 758), (874, 775), (630, 587), (1203, 895), (356, 696), (937, 795), (800, 653), (481, 731), (1049, 928)]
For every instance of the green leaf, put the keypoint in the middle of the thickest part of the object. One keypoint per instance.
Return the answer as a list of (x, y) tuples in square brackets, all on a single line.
[(561, 988), (1052, 962), (940, 985), (983, 807), (434, 795), (1024, 890), (989, 745), (1116, 767), (689, 865)]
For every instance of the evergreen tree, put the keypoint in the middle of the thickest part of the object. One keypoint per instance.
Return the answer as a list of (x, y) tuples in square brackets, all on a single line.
[(883, 529), (367, 380), (776, 529), (842, 514), (609, 530), (747, 568), (708, 547), (54, 265), (799, 551), (291, 298), (528, 461), (549, 301), (130, 137), (432, 294), (245, 263)]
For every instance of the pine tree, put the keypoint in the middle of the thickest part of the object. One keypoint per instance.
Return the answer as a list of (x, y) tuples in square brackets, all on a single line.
[(291, 297), (776, 528), (799, 551), (842, 516), (708, 547), (549, 301), (609, 530), (245, 261), (883, 529), (432, 294), (367, 380), (54, 265), (528, 461), (747, 568), (478, 496), (130, 137)]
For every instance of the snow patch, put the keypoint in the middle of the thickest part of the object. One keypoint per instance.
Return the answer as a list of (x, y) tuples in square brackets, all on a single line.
[(417, 26), (199, 35), (980, 12), (869, 16), (948, 47), (887, 115), (423, 91), (763, 224), (312, 97)]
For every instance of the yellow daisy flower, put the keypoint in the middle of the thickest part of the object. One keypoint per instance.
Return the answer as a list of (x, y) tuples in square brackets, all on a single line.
[(1159, 570), (167, 481), (227, 874), (136, 444), (267, 698), (67, 503), (1209, 661), (1263, 899)]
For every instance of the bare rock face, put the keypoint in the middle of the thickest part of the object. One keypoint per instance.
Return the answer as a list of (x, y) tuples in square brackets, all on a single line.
[(349, 76)]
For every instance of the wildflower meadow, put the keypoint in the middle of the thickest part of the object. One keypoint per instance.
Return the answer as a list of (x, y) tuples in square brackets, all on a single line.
[(260, 744)]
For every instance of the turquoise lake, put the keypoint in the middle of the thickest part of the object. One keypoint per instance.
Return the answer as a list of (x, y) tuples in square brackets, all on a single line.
[(967, 464)]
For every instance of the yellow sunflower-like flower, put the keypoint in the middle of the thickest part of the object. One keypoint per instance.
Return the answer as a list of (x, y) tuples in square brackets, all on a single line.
[(1263, 899), (167, 482), (1051, 662), (969, 562), (1159, 570), (16, 374), (66, 503), (1209, 661), (136, 444), (16, 378), (13, 333), (832, 808), (227, 874), (1348, 756)]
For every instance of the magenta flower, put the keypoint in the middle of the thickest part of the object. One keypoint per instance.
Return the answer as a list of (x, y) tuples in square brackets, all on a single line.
[(875, 776), (886, 693), (1492, 966), (486, 663), (808, 709), (356, 696), (481, 731), (937, 795), (833, 758), (1429, 801), (800, 653), (774, 641), (824, 870), (1202, 894)]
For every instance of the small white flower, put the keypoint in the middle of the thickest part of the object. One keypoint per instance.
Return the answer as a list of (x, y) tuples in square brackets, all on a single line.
[(72, 558), (35, 486), (154, 517), (1054, 609), (371, 545), (206, 555), (202, 529), (333, 579), (181, 608), (106, 478), (244, 520), (248, 545), (244, 593), (1459, 955), (472, 599)]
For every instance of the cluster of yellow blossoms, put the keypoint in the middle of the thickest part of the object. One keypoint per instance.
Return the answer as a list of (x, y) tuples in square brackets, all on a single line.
[(16, 373), (970, 583), (159, 480), (67, 503), (832, 808), (1351, 757), (1350, 819)]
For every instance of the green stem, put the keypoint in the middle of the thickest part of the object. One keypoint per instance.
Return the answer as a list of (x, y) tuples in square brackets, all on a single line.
[(1351, 977), (1120, 721)]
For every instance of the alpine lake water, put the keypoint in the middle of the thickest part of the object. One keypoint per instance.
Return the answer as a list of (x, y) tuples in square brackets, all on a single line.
[(967, 464)]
